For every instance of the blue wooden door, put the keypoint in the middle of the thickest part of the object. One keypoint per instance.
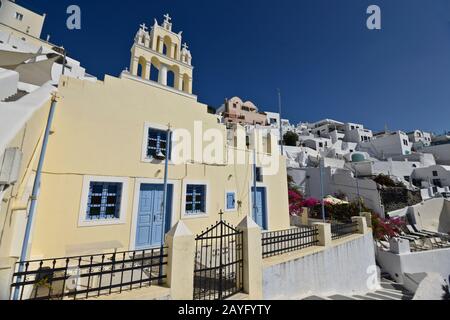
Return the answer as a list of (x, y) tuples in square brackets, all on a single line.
[(260, 210), (150, 215)]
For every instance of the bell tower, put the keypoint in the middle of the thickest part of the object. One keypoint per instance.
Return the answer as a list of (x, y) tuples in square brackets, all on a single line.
[(160, 55)]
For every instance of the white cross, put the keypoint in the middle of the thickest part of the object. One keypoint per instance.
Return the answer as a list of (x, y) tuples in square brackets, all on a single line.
[(185, 46), (167, 18), (144, 27)]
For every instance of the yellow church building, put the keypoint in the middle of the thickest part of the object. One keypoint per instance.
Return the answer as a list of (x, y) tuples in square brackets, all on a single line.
[(102, 183), (130, 188)]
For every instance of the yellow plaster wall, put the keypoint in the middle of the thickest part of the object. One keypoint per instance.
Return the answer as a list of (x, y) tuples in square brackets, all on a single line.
[(99, 130), (28, 139)]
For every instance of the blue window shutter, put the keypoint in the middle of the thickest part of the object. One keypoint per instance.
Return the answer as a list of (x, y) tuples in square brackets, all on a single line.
[(231, 201)]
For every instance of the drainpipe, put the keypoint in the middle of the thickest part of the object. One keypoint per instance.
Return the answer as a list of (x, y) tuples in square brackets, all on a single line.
[(166, 175), (281, 128), (34, 195)]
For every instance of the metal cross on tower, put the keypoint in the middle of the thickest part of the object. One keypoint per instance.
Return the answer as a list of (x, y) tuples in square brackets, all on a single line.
[(167, 18), (144, 27)]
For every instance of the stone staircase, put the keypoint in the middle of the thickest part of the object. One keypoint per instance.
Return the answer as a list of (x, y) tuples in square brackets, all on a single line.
[(389, 291), (15, 97)]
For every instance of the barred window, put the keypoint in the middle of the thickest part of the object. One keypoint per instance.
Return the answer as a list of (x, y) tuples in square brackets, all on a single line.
[(157, 144), (104, 201), (195, 199)]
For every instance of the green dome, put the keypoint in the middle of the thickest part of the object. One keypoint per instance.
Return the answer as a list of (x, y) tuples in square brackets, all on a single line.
[(358, 157)]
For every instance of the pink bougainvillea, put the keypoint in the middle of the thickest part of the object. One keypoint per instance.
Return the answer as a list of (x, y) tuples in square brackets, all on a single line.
[(310, 203), (389, 228), (295, 202)]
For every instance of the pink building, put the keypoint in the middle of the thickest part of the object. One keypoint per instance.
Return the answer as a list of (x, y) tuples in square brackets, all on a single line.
[(236, 111)]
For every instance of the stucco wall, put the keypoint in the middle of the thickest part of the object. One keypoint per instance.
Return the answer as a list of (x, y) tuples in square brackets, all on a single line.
[(437, 261), (99, 131), (432, 215), (343, 269), (8, 83), (441, 153)]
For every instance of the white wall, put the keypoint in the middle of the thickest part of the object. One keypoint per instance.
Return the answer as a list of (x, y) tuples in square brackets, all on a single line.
[(387, 145), (368, 191), (432, 215), (31, 23), (440, 152), (343, 269), (437, 261), (426, 175), (8, 83)]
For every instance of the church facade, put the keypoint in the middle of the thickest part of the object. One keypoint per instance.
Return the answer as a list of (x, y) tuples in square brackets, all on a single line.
[(103, 179)]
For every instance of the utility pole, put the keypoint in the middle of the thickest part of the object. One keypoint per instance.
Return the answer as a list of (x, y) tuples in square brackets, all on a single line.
[(166, 177), (164, 203), (281, 127), (357, 188), (322, 196), (34, 197), (255, 208)]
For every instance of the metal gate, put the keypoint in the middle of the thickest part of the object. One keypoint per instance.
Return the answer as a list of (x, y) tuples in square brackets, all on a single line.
[(218, 271)]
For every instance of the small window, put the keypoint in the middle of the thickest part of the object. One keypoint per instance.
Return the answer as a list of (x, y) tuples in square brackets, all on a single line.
[(435, 174), (195, 199), (104, 201), (19, 16), (230, 201), (157, 144)]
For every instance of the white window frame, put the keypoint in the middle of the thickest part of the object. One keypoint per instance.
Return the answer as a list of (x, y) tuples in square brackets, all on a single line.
[(186, 215), (235, 202), (82, 219), (147, 126)]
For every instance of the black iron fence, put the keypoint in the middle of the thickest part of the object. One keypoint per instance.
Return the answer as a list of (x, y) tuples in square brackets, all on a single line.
[(280, 242), (342, 230), (88, 276)]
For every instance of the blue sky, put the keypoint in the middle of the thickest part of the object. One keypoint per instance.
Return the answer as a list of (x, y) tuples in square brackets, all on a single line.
[(318, 52)]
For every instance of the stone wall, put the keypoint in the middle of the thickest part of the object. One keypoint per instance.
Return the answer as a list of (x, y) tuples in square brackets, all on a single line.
[(344, 268), (397, 198)]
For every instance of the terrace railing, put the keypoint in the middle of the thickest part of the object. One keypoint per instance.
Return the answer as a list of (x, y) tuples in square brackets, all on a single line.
[(281, 242), (91, 276), (342, 230)]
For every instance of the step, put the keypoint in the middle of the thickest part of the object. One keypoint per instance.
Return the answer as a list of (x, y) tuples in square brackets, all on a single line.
[(315, 298), (341, 298), (365, 298), (380, 296), (238, 296), (403, 293)]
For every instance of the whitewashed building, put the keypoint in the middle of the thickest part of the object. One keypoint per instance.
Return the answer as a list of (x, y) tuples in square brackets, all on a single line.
[(387, 144), (419, 139)]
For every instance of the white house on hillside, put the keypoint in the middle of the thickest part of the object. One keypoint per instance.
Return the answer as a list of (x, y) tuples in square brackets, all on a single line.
[(419, 139), (434, 176), (385, 145)]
